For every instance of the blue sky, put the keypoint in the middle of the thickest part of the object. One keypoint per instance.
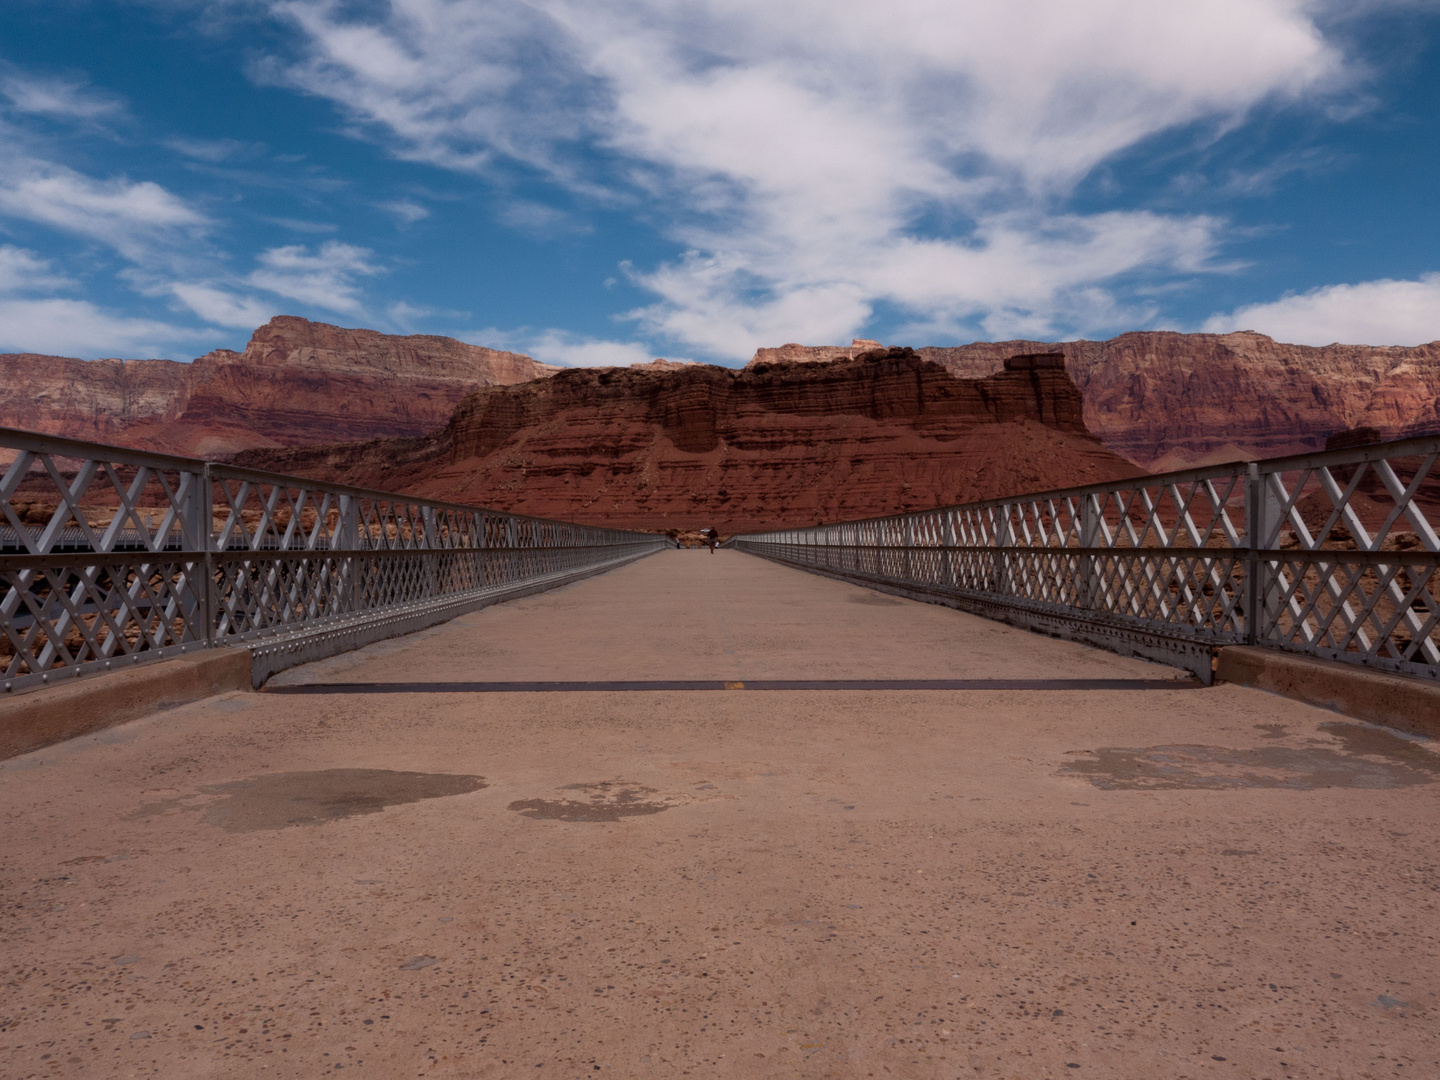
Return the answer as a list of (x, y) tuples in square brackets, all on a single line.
[(605, 181)]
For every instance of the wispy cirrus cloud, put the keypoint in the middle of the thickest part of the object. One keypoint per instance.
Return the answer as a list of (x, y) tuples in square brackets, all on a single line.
[(134, 217), (329, 279), (23, 271), (34, 320), (326, 278), (150, 228), (221, 306), (169, 248), (214, 151), (406, 211), (58, 97), (802, 152)]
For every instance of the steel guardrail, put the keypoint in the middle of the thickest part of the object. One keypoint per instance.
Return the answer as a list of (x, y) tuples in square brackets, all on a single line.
[(111, 557), (1331, 554)]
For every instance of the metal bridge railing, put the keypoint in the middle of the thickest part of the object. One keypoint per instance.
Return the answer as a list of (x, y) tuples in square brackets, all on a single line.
[(1332, 554), (112, 557)]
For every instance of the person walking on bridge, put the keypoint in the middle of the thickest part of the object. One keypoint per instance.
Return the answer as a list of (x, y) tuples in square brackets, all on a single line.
[(714, 538)]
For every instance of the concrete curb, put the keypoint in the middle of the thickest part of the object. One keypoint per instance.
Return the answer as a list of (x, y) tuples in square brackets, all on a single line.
[(1411, 705), (53, 714)]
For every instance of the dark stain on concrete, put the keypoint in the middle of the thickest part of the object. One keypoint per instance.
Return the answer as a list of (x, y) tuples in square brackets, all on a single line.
[(877, 599), (1367, 757), (277, 800), (609, 800)]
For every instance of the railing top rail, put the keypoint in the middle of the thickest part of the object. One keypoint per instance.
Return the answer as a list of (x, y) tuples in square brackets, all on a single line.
[(223, 471), (59, 446), (1395, 448), (36, 442)]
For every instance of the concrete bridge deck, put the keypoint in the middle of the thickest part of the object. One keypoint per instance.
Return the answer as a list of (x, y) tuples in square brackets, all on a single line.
[(343, 872)]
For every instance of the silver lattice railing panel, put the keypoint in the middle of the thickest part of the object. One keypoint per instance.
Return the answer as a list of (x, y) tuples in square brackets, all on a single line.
[(112, 557), (1333, 555)]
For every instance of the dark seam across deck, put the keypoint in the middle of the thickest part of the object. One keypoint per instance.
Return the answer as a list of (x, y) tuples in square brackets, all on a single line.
[(734, 684)]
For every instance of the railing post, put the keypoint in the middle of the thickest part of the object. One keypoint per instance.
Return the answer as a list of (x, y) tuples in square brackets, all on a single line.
[(1252, 559), (1001, 585), (949, 554), (512, 541), (347, 538), (205, 536), (1262, 518), (432, 543), (477, 536), (1089, 534), (907, 541)]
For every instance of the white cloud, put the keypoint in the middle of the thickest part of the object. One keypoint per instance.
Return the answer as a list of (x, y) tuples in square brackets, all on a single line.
[(525, 215), (69, 99), (78, 327), (222, 307), (135, 218), (1382, 312), (571, 350), (326, 279), (23, 271), (49, 324), (796, 148), (408, 211), (302, 226), (161, 236), (403, 315), (212, 150)]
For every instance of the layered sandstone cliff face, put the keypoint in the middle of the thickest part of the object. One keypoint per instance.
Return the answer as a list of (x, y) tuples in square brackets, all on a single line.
[(96, 399), (297, 383), (1167, 400), (813, 354), (770, 446)]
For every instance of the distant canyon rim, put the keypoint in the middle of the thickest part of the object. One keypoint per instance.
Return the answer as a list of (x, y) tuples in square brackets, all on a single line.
[(799, 434)]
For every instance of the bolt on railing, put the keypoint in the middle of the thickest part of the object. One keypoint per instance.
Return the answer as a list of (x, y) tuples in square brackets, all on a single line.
[(111, 557), (1331, 554)]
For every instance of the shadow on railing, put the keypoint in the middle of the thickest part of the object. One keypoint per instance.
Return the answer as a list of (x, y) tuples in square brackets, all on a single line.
[(1332, 554), (111, 557)]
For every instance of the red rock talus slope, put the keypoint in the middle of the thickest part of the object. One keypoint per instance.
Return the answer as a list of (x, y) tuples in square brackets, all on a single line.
[(698, 445), (1167, 399), (297, 383)]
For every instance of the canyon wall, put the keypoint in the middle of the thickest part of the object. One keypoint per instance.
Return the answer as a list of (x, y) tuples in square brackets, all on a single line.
[(813, 354), (673, 446), (1168, 400), (87, 399), (1165, 400), (296, 383)]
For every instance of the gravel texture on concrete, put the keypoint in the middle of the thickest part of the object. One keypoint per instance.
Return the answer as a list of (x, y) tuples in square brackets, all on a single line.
[(919, 883)]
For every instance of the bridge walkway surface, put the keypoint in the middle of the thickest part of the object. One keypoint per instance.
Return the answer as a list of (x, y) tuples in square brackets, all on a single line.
[(349, 870)]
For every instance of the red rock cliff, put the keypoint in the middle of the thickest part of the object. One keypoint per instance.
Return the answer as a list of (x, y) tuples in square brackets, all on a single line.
[(96, 399), (772, 445), (1168, 399), (297, 383)]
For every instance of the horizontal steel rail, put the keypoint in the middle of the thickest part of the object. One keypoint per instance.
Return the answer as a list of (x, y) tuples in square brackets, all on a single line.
[(112, 557), (1331, 554)]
